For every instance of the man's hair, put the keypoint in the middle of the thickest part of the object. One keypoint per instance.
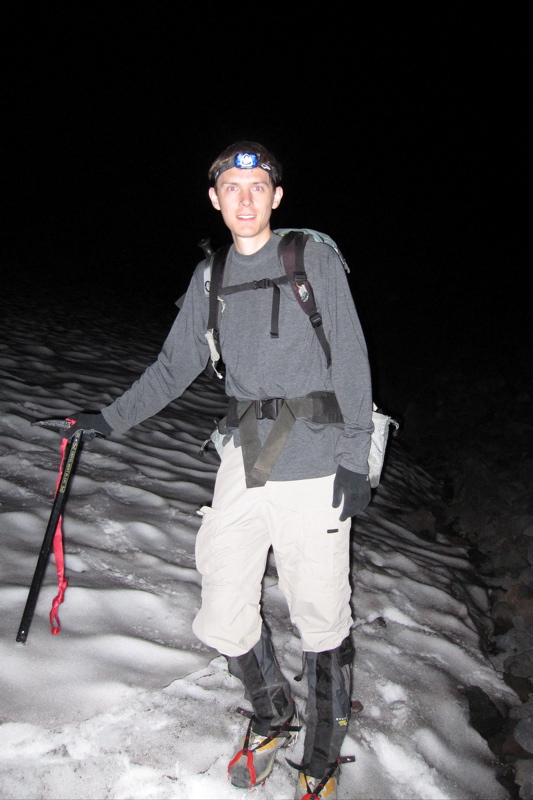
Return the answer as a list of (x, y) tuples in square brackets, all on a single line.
[(264, 156)]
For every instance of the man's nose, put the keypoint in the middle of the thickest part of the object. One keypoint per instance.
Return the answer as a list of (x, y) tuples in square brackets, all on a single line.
[(246, 197)]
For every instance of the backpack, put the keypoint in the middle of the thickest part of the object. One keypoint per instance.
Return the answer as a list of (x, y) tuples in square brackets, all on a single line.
[(291, 252)]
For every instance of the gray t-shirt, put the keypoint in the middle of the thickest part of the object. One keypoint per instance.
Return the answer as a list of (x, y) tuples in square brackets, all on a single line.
[(259, 366)]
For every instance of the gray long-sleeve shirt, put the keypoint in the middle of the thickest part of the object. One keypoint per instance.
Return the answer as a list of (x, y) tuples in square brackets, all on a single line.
[(258, 366)]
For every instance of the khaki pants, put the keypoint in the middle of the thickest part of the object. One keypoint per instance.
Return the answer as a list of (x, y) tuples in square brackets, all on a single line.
[(311, 548)]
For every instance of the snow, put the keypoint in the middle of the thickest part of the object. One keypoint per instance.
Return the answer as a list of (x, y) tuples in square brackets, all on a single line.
[(125, 702)]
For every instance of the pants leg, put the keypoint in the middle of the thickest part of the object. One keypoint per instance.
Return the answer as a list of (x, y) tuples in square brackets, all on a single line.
[(312, 552), (231, 552)]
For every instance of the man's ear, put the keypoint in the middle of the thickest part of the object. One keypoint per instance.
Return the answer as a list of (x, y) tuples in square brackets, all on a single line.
[(278, 194), (214, 198)]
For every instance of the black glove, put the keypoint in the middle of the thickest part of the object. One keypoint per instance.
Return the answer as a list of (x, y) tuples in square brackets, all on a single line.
[(92, 423), (355, 488)]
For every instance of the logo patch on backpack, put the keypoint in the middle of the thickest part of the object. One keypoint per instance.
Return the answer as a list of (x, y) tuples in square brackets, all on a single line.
[(302, 291)]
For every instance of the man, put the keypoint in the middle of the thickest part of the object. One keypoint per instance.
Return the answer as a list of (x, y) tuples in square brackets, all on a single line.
[(286, 467)]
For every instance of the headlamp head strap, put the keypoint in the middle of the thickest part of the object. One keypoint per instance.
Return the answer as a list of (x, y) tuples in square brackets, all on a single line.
[(245, 161)]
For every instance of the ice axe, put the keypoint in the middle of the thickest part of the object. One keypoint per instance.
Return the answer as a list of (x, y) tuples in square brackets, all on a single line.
[(67, 469), (205, 244)]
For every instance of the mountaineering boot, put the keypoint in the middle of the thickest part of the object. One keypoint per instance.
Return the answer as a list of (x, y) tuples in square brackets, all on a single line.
[(274, 712), (254, 762), (325, 788), (314, 788)]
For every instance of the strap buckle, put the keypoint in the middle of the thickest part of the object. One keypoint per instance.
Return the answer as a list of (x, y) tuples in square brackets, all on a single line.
[(269, 408), (316, 319), (263, 283)]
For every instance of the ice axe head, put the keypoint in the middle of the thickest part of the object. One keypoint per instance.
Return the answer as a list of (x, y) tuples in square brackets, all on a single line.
[(205, 244), (56, 424), (89, 424)]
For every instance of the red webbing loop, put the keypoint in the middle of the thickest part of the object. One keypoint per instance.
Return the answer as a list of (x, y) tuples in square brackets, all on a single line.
[(62, 582), (245, 751)]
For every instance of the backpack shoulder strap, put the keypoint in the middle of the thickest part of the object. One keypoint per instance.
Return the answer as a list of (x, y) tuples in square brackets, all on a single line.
[(218, 262), (213, 275), (291, 253), (318, 237)]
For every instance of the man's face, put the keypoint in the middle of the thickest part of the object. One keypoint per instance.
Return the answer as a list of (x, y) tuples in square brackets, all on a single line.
[(246, 197)]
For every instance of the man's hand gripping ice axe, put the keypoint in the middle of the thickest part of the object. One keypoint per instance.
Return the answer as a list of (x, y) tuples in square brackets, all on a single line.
[(73, 430)]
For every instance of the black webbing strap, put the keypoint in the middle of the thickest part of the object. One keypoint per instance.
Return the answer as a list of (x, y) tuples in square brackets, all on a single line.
[(274, 315), (320, 407), (259, 472), (264, 283), (251, 446)]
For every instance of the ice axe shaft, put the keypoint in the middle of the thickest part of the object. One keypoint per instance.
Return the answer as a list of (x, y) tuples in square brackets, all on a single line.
[(60, 498)]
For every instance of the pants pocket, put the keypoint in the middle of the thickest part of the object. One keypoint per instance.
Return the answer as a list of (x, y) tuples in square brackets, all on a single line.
[(205, 542), (325, 547)]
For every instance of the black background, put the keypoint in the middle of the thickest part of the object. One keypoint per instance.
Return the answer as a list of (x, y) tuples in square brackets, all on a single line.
[(401, 129)]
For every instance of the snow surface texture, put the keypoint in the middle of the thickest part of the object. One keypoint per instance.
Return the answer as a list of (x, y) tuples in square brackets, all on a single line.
[(125, 702)]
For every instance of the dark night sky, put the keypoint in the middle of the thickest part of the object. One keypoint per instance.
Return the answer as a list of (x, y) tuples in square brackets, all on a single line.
[(401, 129)]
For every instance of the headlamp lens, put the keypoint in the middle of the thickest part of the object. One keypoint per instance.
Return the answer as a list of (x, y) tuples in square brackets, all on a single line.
[(246, 160)]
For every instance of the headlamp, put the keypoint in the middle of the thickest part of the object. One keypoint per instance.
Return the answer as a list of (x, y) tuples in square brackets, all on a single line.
[(244, 161)]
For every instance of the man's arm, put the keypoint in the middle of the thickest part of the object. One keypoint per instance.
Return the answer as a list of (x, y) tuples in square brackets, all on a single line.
[(183, 357), (350, 369), (350, 372)]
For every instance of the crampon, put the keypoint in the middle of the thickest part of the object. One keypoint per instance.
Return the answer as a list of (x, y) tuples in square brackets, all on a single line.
[(254, 762)]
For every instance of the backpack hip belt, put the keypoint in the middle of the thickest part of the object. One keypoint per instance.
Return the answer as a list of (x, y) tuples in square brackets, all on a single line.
[(320, 407)]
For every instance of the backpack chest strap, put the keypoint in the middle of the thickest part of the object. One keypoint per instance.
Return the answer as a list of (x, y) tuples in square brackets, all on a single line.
[(263, 283)]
